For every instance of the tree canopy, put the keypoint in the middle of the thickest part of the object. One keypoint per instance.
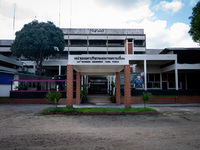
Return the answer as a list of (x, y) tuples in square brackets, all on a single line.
[(36, 41), (195, 23)]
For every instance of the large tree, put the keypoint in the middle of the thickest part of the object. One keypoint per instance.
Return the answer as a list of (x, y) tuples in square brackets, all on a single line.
[(195, 23), (36, 41)]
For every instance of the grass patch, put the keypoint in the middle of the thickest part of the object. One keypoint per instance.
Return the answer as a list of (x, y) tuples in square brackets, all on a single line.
[(94, 109), (4, 97), (166, 95)]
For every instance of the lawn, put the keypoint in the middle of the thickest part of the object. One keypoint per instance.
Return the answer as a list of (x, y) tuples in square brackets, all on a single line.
[(54, 110)]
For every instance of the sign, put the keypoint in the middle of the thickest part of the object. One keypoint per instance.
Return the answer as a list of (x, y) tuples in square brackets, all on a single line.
[(137, 80), (97, 31), (97, 60)]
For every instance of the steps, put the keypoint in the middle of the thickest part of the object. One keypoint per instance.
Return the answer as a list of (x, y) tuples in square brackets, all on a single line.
[(99, 99)]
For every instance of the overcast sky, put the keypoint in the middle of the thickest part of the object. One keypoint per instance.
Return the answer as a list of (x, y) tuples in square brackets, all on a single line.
[(165, 23)]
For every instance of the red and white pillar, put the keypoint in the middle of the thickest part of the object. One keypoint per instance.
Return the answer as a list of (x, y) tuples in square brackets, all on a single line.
[(118, 102), (78, 88), (69, 89), (127, 86)]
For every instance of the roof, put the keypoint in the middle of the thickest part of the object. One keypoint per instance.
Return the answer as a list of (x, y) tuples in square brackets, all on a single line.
[(166, 50), (153, 51), (102, 31)]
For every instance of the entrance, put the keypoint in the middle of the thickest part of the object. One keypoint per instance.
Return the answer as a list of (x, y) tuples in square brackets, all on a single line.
[(97, 85)]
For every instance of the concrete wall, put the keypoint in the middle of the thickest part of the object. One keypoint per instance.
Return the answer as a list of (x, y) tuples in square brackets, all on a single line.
[(5, 90)]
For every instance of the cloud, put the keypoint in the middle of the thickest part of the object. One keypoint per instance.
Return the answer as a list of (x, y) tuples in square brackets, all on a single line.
[(172, 7), (7, 10), (159, 36), (124, 4), (102, 14)]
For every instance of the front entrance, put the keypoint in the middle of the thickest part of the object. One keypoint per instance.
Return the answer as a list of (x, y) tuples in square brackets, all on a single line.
[(97, 85)]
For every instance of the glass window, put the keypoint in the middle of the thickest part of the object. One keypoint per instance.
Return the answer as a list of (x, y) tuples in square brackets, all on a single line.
[(79, 42), (171, 84), (138, 43), (157, 77), (151, 77), (115, 42), (149, 85), (156, 85), (97, 42)]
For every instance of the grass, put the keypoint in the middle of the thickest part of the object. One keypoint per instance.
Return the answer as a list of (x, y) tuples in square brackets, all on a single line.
[(94, 109)]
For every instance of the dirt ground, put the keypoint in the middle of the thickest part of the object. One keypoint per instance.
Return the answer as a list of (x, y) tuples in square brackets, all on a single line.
[(22, 127)]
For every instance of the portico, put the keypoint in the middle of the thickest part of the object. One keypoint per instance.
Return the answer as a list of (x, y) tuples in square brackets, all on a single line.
[(98, 65)]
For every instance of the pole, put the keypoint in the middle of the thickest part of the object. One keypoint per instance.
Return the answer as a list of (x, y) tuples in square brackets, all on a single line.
[(14, 20)]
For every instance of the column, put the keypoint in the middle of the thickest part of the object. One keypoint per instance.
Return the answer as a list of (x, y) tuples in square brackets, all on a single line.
[(145, 75), (59, 70), (186, 86), (69, 85), (81, 82), (114, 80), (176, 75), (34, 68), (78, 88), (118, 102), (127, 86), (126, 46)]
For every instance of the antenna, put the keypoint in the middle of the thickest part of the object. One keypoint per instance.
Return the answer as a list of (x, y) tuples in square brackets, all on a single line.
[(70, 13), (14, 21), (59, 12)]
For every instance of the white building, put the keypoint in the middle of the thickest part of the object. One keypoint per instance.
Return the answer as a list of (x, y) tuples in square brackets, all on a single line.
[(99, 53)]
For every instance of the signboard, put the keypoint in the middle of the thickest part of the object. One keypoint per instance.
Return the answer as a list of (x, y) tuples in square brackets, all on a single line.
[(96, 31), (137, 80), (97, 60)]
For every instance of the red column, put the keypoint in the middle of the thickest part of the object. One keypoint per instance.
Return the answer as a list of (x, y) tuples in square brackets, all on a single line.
[(118, 102), (127, 86), (78, 88), (69, 85)]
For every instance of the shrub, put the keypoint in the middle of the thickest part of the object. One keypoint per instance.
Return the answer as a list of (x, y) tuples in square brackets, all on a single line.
[(84, 93), (54, 97), (145, 98)]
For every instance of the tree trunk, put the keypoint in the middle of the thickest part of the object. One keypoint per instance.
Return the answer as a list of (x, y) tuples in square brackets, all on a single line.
[(39, 66)]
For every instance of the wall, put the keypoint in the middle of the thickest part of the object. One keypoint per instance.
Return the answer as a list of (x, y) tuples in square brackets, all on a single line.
[(167, 100), (5, 90)]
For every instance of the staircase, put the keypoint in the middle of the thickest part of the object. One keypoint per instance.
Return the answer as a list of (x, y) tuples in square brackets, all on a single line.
[(99, 99)]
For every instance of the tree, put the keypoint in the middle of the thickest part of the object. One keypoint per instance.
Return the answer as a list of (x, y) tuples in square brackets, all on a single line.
[(36, 41), (195, 23), (146, 97)]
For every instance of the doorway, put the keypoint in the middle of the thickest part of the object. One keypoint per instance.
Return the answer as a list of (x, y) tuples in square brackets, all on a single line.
[(97, 85)]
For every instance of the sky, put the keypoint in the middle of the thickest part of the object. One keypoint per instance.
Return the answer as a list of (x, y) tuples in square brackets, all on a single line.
[(165, 22)]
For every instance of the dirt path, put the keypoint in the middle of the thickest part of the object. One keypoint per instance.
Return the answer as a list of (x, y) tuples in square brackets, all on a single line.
[(22, 127)]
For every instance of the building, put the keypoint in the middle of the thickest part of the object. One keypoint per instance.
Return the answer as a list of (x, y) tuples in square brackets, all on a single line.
[(99, 57)]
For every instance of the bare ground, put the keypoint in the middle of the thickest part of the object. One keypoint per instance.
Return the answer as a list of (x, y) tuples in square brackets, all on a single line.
[(22, 127)]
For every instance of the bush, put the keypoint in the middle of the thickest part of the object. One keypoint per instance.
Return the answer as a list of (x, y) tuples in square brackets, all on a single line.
[(84, 93), (54, 97), (145, 98)]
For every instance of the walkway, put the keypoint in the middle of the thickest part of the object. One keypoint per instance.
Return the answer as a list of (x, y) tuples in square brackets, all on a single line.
[(99, 99)]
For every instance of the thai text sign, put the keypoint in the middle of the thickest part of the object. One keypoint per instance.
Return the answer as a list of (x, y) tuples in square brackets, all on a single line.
[(97, 60)]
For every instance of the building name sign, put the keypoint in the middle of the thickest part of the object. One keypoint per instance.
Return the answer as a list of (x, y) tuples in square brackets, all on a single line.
[(97, 60), (96, 30)]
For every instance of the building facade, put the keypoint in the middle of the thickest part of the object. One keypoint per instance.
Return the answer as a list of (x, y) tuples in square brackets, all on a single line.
[(98, 57)]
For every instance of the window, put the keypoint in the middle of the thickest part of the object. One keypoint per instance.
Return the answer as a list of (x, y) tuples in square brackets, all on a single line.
[(115, 42), (138, 43), (78, 42), (130, 40), (66, 43), (138, 52), (97, 42), (153, 80)]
